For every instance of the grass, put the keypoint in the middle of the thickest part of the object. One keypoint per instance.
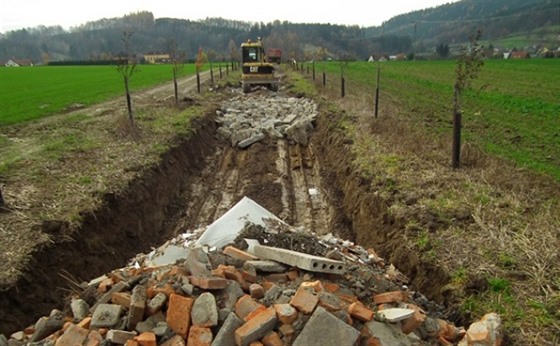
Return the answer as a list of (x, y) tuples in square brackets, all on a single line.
[(512, 109), (28, 93), (60, 167)]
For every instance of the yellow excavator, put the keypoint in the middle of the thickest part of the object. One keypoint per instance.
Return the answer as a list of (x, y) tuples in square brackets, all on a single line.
[(255, 70)]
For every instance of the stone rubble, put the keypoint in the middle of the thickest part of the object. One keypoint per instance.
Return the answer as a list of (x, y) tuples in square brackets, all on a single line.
[(227, 296), (245, 120)]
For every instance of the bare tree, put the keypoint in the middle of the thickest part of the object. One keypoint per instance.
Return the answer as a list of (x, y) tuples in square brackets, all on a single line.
[(211, 56), (200, 60), (469, 64), (127, 66), (177, 63)]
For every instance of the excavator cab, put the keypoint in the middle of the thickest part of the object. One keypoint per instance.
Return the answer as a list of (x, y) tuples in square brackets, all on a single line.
[(255, 70)]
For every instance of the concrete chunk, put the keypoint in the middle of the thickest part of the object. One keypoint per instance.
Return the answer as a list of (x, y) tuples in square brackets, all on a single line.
[(80, 309), (251, 140), (45, 326), (204, 312), (137, 306), (325, 329), (106, 316), (296, 259), (226, 335), (120, 336), (266, 266)]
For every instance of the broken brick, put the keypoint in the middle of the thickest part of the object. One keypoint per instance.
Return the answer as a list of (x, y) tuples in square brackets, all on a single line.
[(272, 339), (256, 328), (121, 298), (73, 335), (199, 336), (179, 314), (304, 300), (239, 254), (245, 305), (360, 312), (208, 282), (286, 313), (146, 339), (390, 297), (255, 312), (410, 324)]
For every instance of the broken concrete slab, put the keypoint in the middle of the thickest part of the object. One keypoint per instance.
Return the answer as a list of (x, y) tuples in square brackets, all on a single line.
[(251, 140), (296, 259), (325, 329), (171, 255), (395, 314), (225, 229)]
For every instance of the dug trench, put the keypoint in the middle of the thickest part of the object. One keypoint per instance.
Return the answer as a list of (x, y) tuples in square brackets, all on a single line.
[(196, 182)]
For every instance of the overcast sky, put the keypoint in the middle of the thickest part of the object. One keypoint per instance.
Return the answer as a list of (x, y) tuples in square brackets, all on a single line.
[(18, 14)]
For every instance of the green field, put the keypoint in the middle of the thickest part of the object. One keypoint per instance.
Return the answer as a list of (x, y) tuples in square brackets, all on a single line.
[(32, 92), (512, 109)]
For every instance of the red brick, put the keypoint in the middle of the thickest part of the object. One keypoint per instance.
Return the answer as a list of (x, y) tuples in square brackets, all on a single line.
[(390, 297), (373, 341), (286, 313), (267, 285), (200, 336), (239, 254), (105, 285), (249, 274), (360, 312), (304, 300), (208, 282), (255, 312), (131, 342), (179, 314), (445, 342), (257, 327), (256, 343), (94, 338), (256, 291), (232, 273), (330, 287), (287, 330), (447, 330), (146, 339), (410, 324), (348, 298), (85, 323), (73, 335), (245, 305), (121, 298), (167, 289), (272, 339), (293, 275)]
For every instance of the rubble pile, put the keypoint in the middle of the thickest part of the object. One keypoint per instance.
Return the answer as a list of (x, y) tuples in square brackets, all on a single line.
[(246, 120), (329, 292)]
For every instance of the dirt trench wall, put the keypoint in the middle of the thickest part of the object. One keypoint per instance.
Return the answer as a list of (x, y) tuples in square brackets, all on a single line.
[(366, 214), (125, 225)]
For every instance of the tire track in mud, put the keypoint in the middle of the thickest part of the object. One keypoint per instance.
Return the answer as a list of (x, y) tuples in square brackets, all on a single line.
[(282, 177)]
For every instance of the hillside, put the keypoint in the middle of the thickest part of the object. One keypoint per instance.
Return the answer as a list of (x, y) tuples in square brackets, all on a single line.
[(505, 24)]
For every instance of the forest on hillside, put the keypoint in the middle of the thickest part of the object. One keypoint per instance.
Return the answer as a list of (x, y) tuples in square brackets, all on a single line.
[(419, 31)]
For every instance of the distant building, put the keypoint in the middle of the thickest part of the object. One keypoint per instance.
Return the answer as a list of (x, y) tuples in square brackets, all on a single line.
[(157, 58), (18, 63), (522, 54)]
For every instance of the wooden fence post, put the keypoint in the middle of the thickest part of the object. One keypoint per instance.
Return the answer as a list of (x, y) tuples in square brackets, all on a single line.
[(377, 90)]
